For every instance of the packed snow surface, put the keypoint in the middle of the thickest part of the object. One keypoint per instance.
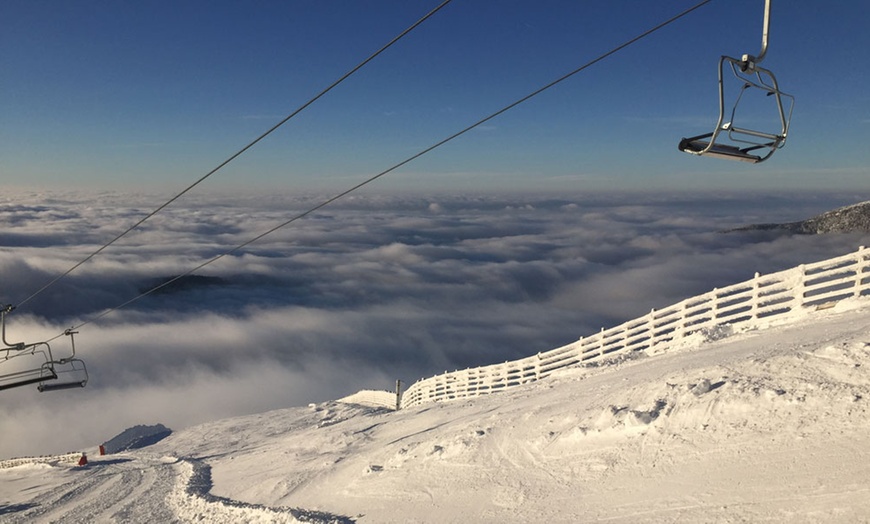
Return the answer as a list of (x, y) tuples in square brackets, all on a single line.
[(769, 424)]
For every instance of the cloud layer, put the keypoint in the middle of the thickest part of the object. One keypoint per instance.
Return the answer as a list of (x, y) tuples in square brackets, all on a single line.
[(372, 289)]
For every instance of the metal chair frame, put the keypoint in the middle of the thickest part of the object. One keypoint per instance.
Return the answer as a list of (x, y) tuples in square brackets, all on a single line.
[(746, 145)]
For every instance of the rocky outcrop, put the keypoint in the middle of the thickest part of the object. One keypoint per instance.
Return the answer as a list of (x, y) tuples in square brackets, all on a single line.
[(849, 219), (136, 437)]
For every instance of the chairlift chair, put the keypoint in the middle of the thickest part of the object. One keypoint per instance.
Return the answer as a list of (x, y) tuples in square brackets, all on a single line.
[(25, 366), (69, 372), (732, 142), (22, 364)]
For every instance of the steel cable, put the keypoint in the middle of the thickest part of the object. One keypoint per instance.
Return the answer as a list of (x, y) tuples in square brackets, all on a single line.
[(395, 166)]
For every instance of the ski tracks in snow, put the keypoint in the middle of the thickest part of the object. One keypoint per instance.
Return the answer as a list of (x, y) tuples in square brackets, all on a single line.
[(111, 490), (143, 489)]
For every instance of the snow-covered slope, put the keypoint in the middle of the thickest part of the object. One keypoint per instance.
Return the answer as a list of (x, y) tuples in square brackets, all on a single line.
[(848, 219), (765, 425)]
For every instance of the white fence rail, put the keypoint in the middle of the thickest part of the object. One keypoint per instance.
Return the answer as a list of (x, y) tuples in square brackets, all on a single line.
[(766, 296)]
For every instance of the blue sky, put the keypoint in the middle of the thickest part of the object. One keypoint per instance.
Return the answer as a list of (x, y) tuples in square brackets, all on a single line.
[(155, 94)]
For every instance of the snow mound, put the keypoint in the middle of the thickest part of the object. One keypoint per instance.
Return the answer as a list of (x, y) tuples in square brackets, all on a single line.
[(192, 502), (136, 437), (372, 398)]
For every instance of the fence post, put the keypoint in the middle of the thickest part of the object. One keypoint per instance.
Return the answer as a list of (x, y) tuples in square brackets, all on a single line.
[(715, 306), (398, 395), (681, 333), (601, 342), (756, 286), (801, 285), (859, 271), (651, 326)]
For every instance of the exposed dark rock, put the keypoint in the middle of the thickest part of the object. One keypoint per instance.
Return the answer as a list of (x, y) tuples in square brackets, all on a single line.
[(136, 437)]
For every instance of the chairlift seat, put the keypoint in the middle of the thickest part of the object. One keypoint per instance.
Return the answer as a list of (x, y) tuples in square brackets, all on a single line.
[(701, 145), (26, 377), (54, 386)]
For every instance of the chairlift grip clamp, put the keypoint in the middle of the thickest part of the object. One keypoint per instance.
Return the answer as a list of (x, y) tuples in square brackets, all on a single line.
[(748, 63)]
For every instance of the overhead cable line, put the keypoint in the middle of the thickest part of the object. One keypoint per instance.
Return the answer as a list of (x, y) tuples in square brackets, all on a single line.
[(371, 179), (238, 153)]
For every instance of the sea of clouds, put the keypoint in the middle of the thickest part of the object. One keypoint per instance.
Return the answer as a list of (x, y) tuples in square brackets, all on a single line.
[(371, 289)]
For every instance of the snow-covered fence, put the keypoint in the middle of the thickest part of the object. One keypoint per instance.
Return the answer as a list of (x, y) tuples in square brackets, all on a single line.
[(806, 286), (70, 458)]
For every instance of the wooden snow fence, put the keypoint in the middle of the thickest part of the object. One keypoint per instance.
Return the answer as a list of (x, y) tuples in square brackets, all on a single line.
[(807, 287)]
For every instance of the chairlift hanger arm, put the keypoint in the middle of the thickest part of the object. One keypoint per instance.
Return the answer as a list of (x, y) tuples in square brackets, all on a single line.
[(750, 60), (3, 312), (69, 332)]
